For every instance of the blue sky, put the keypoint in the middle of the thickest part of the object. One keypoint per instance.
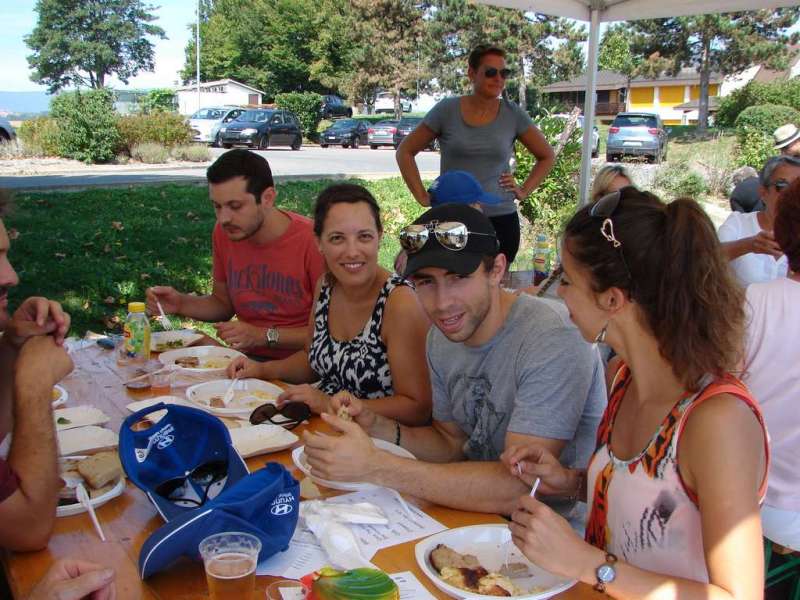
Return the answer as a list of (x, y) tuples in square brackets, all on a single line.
[(19, 18)]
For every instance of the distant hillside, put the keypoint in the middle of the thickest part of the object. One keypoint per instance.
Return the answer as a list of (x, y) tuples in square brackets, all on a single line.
[(24, 102)]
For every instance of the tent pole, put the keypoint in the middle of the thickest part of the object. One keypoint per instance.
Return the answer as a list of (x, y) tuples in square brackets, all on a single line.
[(588, 110)]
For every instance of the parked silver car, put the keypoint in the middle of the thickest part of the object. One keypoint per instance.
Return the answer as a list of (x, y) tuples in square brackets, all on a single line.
[(7, 133), (637, 134), (382, 134)]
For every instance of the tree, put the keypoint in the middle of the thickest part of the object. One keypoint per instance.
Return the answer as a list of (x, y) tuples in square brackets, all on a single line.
[(82, 42), (567, 61), (263, 43), (723, 43), (158, 100)]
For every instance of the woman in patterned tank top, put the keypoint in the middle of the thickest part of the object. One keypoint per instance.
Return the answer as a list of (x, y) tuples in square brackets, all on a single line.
[(680, 466), (368, 329)]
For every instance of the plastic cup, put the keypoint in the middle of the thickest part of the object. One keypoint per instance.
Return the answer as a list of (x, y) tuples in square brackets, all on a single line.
[(160, 381), (230, 561), (285, 589)]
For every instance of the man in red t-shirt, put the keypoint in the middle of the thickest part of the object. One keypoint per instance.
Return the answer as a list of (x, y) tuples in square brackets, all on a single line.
[(266, 264), (32, 361)]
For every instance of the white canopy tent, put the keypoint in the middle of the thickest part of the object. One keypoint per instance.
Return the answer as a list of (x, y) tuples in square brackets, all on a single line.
[(598, 11)]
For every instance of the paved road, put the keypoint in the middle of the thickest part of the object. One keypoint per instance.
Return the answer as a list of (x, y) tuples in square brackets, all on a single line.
[(310, 162)]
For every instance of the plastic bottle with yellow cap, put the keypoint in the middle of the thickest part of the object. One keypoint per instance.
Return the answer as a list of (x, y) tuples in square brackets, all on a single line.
[(137, 333)]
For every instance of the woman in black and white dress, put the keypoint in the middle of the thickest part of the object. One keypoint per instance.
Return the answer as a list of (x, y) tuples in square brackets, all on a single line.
[(368, 329)]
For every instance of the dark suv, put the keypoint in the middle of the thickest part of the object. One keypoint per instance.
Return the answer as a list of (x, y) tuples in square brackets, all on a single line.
[(263, 128), (637, 134), (333, 106)]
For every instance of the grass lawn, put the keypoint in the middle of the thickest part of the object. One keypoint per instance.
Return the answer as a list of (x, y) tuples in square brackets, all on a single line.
[(96, 250)]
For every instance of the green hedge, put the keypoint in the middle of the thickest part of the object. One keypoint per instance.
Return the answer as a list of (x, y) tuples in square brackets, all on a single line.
[(167, 129), (87, 128), (767, 117), (754, 93), (306, 105), (39, 136)]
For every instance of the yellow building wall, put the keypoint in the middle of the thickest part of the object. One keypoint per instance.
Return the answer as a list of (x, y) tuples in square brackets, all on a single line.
[(713, 90), (642, 98), (670, 95), (672, 122)]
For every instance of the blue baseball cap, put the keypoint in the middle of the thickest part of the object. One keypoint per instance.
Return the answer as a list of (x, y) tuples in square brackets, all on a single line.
[(459, 187), (182, 461), (264, 504)]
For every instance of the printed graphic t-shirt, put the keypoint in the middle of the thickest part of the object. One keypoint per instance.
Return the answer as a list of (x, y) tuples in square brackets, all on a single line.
[(271, 285)]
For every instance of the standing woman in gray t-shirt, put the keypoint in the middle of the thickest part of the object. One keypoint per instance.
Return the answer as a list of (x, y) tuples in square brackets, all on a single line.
[(476, 133)]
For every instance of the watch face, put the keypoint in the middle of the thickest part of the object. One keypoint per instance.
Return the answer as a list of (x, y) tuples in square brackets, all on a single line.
[(606, 573)]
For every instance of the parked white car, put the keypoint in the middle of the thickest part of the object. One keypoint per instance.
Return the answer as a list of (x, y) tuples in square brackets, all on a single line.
[(595, 133), (205, 123), (384, 103)]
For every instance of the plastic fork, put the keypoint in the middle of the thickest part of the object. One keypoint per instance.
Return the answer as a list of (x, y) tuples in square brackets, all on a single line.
[(83, 498), (228, 396), (165, 322), (509, 543)]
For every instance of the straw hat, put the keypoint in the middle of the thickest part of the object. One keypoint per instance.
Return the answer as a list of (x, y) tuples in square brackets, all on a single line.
[(786, 135)]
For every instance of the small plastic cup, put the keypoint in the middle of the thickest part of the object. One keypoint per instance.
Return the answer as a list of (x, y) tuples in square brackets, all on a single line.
[(161, 381), (230, 561), (286, 589)]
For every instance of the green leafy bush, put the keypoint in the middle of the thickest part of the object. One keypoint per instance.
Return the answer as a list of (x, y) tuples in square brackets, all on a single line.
[(678, 180), (555, 200), (306, 105), (784, 92), (150, 153), (87, 128), (767, 117), (167, 129), (753, 148), (158, 100), (191, 153), (39, 136)]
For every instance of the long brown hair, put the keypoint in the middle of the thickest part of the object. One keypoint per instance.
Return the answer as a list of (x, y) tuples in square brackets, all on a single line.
[(670, 264), (787, 224)]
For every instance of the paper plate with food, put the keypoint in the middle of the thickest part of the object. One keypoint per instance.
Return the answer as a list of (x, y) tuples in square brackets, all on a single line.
[(60, 396), (248, 394), (163, 341), (200, 360), (101, 475), (261, 439), (86, 440), (79, 416), (480, 561), (299, 458)]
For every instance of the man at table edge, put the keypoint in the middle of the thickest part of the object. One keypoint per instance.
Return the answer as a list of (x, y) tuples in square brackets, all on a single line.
[(32, 361), (505, 369), (266, 264)]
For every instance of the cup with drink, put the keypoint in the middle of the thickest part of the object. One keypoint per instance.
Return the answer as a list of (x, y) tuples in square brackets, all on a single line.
[(230, 560)]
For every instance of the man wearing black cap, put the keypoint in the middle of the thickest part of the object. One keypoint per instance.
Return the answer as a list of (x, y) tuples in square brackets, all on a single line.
[(505, 370)]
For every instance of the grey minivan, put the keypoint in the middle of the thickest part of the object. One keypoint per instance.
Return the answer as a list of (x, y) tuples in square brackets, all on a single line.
[(637, 134)]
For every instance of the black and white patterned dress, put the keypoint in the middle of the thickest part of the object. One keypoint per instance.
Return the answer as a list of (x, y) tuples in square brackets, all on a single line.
[(360, 365)]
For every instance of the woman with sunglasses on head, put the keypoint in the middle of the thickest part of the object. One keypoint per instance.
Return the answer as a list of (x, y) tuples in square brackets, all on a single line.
[(609, 178), (476, 133), (367, 328), (680, 467)]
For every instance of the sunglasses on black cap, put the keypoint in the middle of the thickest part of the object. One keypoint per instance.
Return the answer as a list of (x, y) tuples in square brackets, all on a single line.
[(203, 476), (292, 413), (451, 235)]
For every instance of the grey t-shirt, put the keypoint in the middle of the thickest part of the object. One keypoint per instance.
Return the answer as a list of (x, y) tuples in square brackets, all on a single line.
[(483, 151), (537, 376)]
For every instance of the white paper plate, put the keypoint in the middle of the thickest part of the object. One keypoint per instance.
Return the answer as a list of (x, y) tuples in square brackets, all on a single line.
[(186, 337), (86, 440), (142, 404), (67, 510), (488, 543), (200, 395), (62, 397), (79, 416), (201, 352), (261, 439), (299, 458)]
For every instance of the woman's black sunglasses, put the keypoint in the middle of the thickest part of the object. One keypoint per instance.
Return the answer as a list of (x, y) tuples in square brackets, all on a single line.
[(493, 72), (203, 476), (293, 414)]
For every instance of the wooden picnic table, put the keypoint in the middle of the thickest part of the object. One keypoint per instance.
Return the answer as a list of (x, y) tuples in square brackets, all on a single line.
[(130, 519)]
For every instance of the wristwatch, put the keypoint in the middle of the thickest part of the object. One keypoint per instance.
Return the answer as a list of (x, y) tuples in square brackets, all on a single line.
[(605, 573), (273, 337)]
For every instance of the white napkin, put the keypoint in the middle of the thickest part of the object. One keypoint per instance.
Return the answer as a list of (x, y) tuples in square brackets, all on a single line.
[(361, 513), (338, 542)]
